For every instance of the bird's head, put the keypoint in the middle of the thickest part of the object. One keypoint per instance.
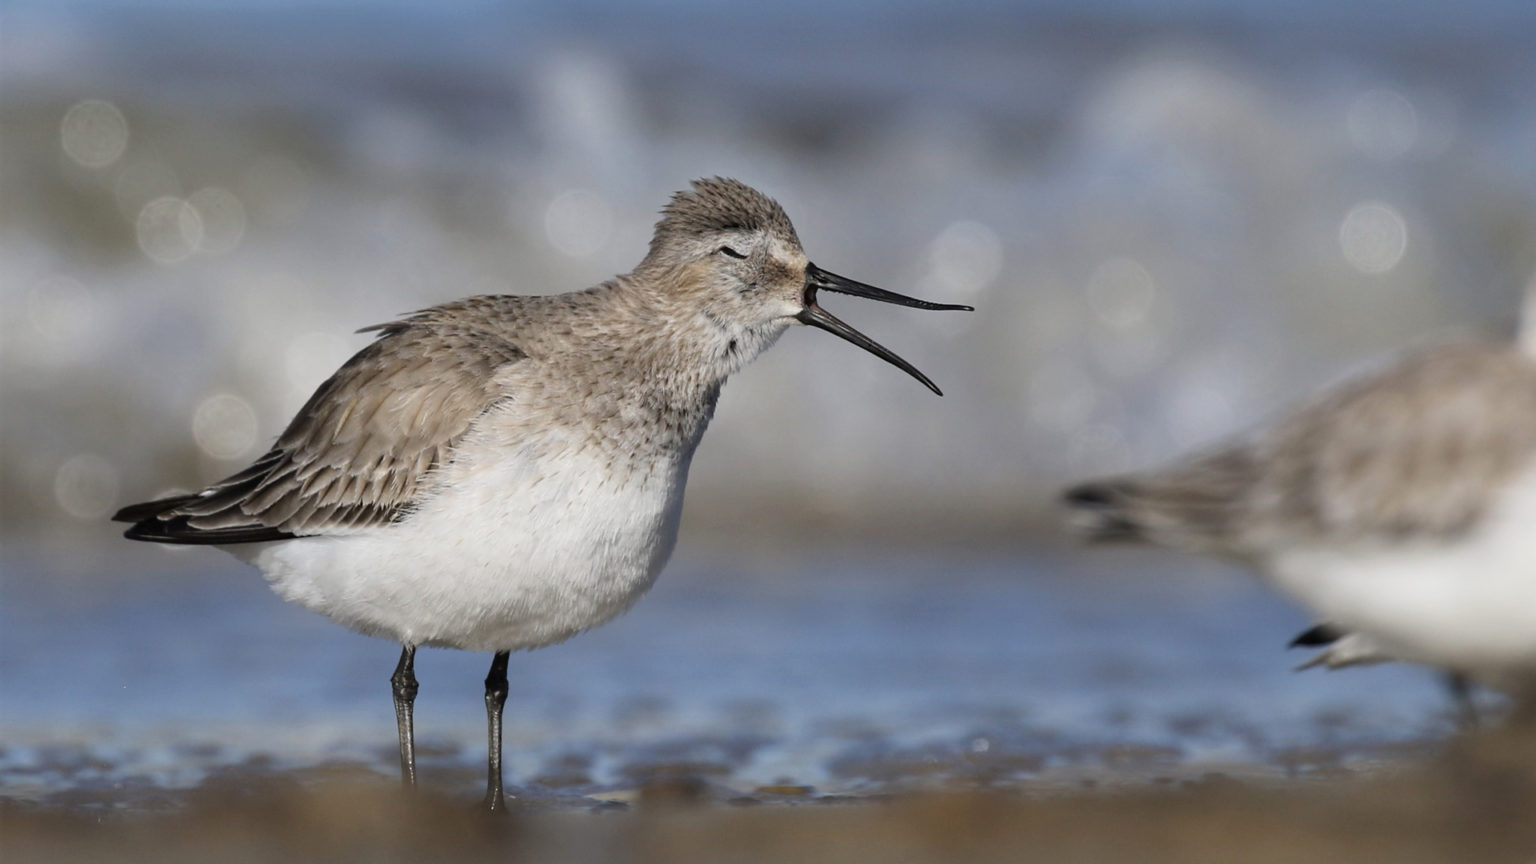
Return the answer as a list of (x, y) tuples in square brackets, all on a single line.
[(733, 252)]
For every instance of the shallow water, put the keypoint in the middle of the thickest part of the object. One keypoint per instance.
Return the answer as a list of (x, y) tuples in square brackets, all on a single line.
[(845, 673)]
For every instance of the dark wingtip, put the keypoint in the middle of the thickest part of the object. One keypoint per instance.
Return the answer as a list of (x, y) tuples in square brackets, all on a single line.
[(180, 532), (153, 522), (1098, 495), (142, 531), (148, 524), (1098, 511), (150, 509), (131, 513), (1317, 636)]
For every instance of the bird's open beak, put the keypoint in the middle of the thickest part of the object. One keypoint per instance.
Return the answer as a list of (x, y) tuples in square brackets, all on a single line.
[(817, 279)]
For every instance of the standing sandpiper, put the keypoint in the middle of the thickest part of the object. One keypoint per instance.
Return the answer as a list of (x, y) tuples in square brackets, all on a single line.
[(501, 472), (1399, 508)]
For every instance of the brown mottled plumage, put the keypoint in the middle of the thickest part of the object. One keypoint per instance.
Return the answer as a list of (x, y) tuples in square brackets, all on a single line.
[(716, 206)]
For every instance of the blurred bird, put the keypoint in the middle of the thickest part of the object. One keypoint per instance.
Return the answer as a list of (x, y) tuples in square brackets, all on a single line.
[(1399, 507), (503, 472)]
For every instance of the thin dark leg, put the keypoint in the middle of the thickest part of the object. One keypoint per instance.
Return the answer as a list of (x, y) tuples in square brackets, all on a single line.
[(1460, 688), (404, 684), (1523, 705), (495, 698)]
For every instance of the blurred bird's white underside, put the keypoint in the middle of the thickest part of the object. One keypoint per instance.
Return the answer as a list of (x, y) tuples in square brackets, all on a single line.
[(1468, 604)]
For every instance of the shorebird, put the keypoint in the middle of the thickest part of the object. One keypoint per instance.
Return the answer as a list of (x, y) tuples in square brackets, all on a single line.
[(1398, 507), (501, 473)]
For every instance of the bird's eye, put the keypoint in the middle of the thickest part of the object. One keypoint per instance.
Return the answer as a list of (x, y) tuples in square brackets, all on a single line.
[(726, 250)]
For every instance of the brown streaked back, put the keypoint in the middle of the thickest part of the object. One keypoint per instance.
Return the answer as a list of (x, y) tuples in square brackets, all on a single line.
[(357, 452), (1422, 448)]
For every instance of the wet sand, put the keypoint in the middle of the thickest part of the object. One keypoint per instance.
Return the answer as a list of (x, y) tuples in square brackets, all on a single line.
[(1474, 801), (856, 677), (1025, 707)]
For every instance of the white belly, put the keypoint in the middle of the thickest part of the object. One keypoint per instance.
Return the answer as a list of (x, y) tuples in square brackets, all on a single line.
[(516, 552), (1467, 604)]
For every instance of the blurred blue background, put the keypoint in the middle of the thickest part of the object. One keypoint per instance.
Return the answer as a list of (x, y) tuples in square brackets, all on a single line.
[(1173, 217)]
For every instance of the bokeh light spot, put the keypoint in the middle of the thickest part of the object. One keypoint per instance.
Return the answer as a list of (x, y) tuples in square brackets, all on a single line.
[(224, 426), (94, 133), (965, 257), (1373, 237), (1383, 124), (578, 223), (169, 230), (85, 486)]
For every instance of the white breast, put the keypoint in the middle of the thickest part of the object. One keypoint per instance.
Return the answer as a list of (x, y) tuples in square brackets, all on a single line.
[(520, 548), (1467, 604)]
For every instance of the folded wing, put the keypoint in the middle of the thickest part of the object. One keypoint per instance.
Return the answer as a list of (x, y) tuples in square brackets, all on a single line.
[(357, 453)]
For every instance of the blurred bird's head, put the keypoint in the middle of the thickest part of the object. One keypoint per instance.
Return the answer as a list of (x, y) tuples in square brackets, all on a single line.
[(731, 252)]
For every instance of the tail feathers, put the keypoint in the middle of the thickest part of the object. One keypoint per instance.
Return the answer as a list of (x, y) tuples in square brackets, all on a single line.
[(1102, 510), (180, 531), (159, 522), (151, 509), (1151, 510), (1196, 504), (1318, 635)]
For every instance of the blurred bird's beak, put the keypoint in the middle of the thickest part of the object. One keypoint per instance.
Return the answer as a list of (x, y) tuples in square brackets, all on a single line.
[(817, 279)]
